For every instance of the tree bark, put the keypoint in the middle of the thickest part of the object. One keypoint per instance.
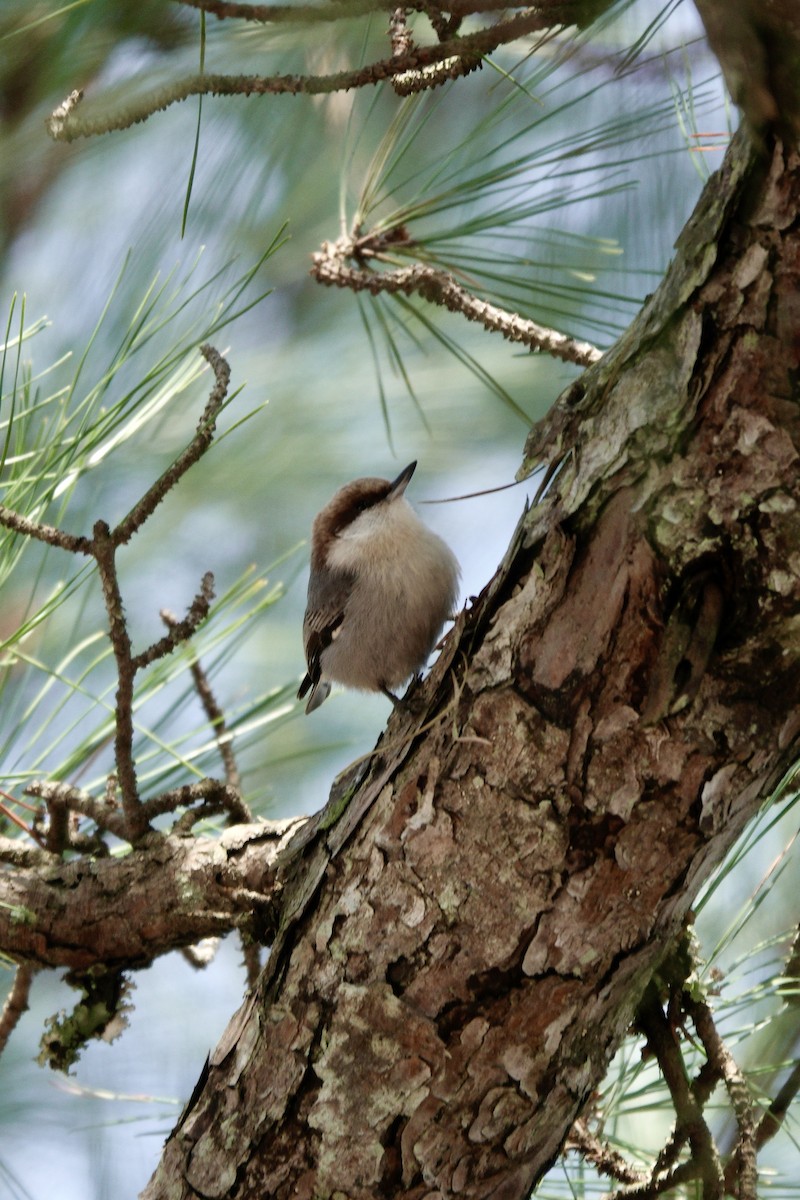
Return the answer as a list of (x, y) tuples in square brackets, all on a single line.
[(468, 930)]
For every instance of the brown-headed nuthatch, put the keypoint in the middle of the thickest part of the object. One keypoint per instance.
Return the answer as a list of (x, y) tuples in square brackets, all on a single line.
[(381, 587)]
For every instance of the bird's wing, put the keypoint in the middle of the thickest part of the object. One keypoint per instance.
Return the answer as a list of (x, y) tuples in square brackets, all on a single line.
[(328, 593)]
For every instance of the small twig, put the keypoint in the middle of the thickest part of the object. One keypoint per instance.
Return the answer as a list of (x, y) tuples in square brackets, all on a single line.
[(44, 533), (399, 33), (443, 27), (16, 1003), (61, 799), (603, 1157), (238, 811), (187, 458), (439, 287), (180, 630)]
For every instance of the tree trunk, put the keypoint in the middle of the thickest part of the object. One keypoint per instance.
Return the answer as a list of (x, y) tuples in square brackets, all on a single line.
[(466, 935)]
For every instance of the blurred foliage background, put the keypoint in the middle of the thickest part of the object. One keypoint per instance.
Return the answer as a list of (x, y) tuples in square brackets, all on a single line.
[(554, 181)]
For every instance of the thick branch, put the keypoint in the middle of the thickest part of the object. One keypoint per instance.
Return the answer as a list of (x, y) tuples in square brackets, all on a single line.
[(121, 913)]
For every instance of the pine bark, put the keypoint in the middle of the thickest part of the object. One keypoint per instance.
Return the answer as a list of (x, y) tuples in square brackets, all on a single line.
[(468, 929)]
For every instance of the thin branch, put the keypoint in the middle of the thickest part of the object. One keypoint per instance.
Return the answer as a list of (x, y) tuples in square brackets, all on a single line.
[(703, 1085), (264, 14), (187, 458), (439, 287), (44, 533), (104, 546), (16, 1003), (214, 796), (444, 27), (662, 1042), (558, 13), (774, 1117), (104, 814), (399, 33), (687, 1172), (603, 1157), (145, 507), (60, 798), (722, 1059), (180, 631), (65, 124), (9, 813), (238, 810)]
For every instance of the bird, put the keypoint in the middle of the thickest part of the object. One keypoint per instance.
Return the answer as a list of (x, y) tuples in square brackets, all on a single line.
[(381, 587)]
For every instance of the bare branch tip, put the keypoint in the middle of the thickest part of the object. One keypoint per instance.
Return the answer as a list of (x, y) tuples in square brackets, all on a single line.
[(16, 1002), (57, 121)]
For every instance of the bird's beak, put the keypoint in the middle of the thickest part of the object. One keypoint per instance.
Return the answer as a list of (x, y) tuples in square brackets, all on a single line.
[(399, 485)]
